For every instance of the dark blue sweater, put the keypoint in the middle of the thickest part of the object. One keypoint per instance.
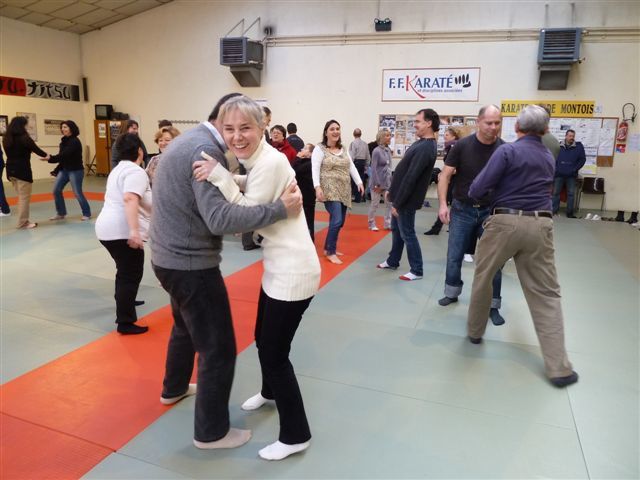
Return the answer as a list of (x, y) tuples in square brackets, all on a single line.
[(570, 160)]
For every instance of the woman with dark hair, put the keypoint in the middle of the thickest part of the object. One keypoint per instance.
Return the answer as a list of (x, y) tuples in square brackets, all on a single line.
[(71, 169), (332, 169), (5, 211), (122, 228), (130, 126), (280, 143), (19, 146)]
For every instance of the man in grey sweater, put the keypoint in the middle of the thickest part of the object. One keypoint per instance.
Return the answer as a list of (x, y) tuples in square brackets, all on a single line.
[(188, 221)]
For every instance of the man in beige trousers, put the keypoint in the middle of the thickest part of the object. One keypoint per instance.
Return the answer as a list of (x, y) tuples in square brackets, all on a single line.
[(520, 175)]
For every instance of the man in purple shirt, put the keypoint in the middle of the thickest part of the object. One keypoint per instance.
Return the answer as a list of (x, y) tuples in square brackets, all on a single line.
[(520, 175)]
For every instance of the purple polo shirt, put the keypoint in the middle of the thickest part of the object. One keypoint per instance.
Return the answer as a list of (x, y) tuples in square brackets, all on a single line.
[(520, 175)]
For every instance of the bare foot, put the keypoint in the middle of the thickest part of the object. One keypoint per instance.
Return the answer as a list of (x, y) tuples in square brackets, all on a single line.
[(340, 254), (334, 259)]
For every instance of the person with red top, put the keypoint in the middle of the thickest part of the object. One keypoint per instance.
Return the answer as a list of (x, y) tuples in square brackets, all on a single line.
[(280, 143)]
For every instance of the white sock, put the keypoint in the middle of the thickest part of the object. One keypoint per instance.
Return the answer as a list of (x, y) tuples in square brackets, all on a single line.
[(234, 438), (279, 450), (255, 402), (193, 387)]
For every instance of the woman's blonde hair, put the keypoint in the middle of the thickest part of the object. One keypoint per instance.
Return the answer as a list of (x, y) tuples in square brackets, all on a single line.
[(173, 131), (381, 134), (246, 106)]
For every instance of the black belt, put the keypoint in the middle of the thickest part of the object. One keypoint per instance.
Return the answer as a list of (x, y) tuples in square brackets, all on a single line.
[(524, 213)]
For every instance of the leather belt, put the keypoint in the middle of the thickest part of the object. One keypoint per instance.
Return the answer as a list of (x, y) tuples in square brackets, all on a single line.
[(524, 213)]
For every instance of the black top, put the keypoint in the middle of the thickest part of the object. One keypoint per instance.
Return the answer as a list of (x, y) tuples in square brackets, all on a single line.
[(295, 141), (70, 156), (302, 167), (19, 158), (116, 157), (411, 176), (469, 156)]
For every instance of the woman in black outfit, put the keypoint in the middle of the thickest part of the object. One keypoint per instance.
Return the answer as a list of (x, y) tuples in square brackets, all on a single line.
[(19, 146), (5, 211), (71, 169), (302, 166)]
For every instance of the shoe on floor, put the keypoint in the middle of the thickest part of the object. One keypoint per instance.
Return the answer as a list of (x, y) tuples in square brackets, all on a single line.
[(57, 217), (562, 382), (137, 303), (374, 229), (596, 217), (467, 258), (385, 266), (2, 214), (131, 329), (475, 341), (589, 216), (250, 247), (84, 218), (432, 231), (410, 277), (571, 216), (191, 390), (444, 301)]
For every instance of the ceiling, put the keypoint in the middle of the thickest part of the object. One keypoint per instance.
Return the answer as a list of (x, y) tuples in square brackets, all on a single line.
[(77, 16)]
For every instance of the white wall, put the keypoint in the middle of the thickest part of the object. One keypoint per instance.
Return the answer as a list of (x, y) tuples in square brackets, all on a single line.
[(164, 63), (29, 51)]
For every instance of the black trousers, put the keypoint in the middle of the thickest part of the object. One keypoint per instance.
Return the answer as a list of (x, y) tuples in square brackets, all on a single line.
[(360, 166), (202, 324), (310, 216), (276, 326), (129, 271)]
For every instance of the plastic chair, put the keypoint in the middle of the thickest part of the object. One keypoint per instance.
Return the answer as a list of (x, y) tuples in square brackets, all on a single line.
[(592, 186)]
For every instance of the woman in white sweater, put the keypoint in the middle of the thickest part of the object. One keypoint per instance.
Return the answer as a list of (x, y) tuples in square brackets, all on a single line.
[(291, 266)]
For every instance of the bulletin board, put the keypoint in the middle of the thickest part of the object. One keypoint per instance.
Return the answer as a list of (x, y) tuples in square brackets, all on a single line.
[(597, 135), (403, 134)]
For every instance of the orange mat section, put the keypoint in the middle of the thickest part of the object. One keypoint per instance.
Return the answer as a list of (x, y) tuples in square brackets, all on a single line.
[(48, 197), (94, 400)]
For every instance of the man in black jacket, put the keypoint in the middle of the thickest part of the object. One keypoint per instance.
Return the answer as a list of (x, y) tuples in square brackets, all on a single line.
[(406, 194)]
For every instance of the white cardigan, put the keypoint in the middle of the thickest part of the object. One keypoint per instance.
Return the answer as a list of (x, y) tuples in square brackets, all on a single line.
[(291, 265)]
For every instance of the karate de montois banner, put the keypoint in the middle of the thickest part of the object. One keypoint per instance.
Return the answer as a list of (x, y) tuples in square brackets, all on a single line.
[(27, 87), (431, 85), (557, 108)]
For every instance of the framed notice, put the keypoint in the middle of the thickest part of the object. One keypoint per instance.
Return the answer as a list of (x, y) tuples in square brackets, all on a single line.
[(431, 85), (32, 126), (52, 127)]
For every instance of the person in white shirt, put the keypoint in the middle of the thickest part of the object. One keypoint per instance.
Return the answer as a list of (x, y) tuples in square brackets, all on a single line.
[(122, 228), (291, 266)]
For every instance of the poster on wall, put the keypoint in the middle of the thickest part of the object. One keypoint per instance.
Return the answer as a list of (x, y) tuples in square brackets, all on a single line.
[(27, 87), (52, 127), (32, 126), (431, 84), (4, 121)]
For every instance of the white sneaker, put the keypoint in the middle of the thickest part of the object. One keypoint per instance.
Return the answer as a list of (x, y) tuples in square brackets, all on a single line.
[(409, 277), (374, 229), (589, 216), (596, 217), (468, 258), (385, 266), (5, 214)]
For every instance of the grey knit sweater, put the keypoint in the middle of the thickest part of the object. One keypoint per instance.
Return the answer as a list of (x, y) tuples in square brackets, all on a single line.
[(190, 217)]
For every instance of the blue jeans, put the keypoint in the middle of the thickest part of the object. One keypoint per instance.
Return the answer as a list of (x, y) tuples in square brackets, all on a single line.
[(4, 206), (403, 232), (465, 226), (558, 183), (75, 176), (337, 214)]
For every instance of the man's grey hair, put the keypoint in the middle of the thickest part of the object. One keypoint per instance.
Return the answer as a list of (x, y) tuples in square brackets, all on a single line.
[(533, 119)]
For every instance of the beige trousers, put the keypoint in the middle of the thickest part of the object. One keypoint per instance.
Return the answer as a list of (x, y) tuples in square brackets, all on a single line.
[(529, 240), (23, 189)]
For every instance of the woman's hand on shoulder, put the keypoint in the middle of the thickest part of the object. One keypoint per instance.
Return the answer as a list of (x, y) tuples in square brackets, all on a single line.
[(203, 168)]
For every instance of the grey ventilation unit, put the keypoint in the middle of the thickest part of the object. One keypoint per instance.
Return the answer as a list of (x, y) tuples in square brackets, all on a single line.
[(244, 57), (558, 50)]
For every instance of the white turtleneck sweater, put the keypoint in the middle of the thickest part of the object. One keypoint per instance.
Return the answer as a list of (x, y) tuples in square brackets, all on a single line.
[(291, 265)]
